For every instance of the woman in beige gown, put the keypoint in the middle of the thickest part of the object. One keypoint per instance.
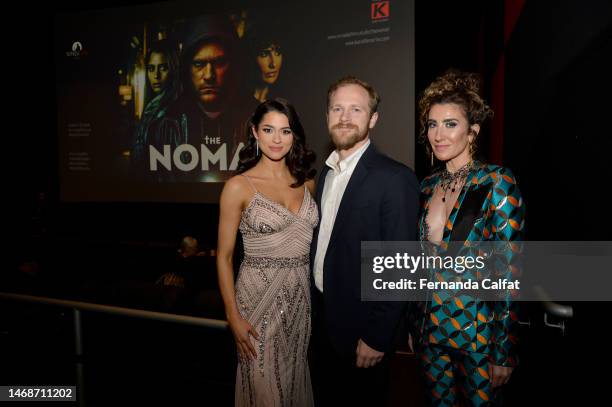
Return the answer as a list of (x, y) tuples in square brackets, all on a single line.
[(268, 308)]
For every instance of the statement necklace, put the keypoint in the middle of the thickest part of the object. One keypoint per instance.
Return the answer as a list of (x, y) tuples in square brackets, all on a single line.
[(450, 180)]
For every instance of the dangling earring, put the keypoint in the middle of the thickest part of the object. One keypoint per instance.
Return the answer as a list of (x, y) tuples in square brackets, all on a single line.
[(472, 144), (432, 160), (257, 147)]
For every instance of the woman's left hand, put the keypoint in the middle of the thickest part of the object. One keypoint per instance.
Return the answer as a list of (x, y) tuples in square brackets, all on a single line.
[(499, 375)]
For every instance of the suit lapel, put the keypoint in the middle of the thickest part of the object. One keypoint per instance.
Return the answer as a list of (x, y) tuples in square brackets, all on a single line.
[(470, 210), (450, 224), (466, 210), (319, 194), (321, 184)]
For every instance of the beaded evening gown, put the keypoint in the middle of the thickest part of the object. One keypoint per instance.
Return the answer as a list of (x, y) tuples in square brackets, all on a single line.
[(273, 294)]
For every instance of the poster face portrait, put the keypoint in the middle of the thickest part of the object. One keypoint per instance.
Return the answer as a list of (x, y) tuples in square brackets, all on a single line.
[(270, 61), (209, 74), (169, 90), (157, 71)]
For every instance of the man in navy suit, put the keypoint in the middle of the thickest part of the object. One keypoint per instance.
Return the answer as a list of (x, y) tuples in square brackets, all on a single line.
[(363, 195)]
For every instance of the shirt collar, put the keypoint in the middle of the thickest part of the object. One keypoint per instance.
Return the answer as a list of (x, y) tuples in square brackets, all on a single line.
[(333, 161)]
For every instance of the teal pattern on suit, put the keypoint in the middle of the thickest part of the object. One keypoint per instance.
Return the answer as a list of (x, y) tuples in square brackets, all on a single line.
[(489, 208)]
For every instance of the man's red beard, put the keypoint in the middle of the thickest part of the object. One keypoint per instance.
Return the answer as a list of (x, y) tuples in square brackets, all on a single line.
[(349, 139)]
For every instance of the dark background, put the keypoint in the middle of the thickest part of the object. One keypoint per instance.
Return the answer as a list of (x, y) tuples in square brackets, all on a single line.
[(555, 135)]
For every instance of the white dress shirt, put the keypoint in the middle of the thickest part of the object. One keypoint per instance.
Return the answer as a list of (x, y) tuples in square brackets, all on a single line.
[(336, 181)]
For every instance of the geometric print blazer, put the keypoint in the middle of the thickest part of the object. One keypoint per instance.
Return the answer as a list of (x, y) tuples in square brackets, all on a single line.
[(489, 208)]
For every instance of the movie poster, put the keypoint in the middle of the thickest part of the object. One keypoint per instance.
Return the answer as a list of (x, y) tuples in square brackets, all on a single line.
[(154, 101)]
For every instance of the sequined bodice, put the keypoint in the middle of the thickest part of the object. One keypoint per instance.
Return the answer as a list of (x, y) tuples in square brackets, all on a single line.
[(271, 230)]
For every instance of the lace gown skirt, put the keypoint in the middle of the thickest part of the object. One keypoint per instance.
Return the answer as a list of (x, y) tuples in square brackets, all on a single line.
[(273, 294)]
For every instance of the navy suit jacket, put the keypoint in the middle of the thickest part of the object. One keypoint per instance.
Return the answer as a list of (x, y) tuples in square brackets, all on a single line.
[(380, 203)]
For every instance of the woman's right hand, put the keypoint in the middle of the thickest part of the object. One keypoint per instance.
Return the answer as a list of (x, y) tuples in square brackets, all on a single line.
[(241, 328)]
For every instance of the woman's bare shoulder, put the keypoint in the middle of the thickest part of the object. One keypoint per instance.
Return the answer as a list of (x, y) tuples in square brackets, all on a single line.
[(310, 184), (237, 188)]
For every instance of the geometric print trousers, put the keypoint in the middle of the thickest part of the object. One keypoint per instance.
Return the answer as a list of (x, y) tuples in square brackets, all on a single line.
[(455, 377)]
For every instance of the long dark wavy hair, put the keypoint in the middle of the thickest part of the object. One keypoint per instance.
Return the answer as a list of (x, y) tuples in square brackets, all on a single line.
[(299, 159)]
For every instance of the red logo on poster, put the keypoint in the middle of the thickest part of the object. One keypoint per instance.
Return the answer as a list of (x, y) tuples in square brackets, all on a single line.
[(380, 9)]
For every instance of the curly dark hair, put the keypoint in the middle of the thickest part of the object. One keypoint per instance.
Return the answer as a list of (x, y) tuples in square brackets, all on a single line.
[(299, 159), (461, 88)]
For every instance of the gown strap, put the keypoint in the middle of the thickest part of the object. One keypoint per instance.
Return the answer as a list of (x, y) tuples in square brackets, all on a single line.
[(250, 183)]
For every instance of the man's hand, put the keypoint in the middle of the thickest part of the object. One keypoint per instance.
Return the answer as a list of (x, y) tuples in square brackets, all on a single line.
[(366, 356)]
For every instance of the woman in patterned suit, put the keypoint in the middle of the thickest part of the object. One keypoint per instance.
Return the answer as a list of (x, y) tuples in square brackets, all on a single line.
[(467, 345)]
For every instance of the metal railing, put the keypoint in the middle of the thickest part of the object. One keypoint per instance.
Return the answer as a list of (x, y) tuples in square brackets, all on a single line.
[(78, 306), (555, 309)]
